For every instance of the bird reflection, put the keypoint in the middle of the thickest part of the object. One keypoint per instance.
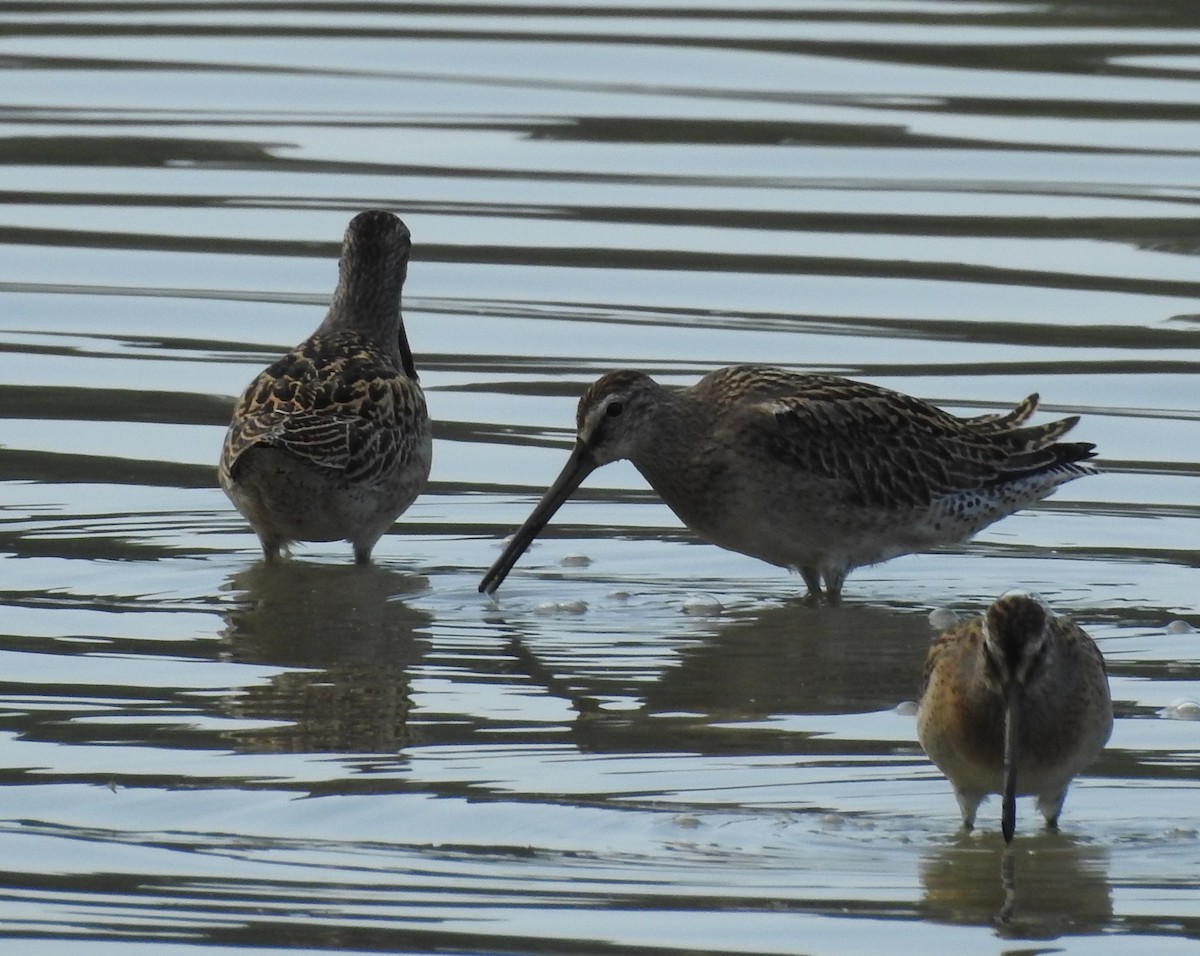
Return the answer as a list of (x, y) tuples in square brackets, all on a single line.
[(1049, 885), (796, 659), (349, 644), (792, 659)]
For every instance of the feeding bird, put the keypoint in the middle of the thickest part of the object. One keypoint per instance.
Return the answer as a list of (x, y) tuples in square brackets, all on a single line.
[(333, 441), (1015, 702), (816, 473)]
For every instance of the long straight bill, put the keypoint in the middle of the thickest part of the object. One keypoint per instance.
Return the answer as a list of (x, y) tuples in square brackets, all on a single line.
[(1012, 756), (578, 466)]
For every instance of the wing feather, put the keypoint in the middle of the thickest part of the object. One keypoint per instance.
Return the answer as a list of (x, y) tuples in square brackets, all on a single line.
[(342, 410), (884, 448)]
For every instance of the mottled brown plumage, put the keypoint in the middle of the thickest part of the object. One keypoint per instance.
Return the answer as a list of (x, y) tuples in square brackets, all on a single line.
[(1015, 702), (812, 472), (333, 440)]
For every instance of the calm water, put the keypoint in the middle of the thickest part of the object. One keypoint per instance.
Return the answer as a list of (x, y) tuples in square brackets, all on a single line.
[(969, 201)]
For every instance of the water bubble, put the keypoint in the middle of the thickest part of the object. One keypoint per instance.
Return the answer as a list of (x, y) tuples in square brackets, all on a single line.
[(1183, 709), (575, 560), (702, 605), (1180, 627), (907, 708), (562, 607), (942, 617)]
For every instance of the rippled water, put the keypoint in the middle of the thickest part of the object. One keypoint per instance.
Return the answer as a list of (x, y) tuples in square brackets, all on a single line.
[(966, 201)]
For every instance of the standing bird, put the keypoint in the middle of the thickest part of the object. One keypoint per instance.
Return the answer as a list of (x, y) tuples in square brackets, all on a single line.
[(333, 441), (811, 472), (1015, 702)]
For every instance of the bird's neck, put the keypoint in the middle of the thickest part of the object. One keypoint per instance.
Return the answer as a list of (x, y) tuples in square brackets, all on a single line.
[(666, 453), (370, 308)]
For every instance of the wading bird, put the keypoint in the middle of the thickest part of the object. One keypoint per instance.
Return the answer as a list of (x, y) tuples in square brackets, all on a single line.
[(811, 472), (1015, 702), (333, 441)]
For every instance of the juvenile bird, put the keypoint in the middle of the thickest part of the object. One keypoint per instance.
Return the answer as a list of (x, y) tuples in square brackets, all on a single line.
[(333, 441), (1015, 702), (812, 472)]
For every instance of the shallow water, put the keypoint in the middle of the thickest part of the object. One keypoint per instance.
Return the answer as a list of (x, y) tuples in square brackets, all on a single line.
[(965, 201)]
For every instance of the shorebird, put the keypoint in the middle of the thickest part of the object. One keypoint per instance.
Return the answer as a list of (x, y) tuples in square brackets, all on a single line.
[(333, 441), (1015, 702), (811, 472)]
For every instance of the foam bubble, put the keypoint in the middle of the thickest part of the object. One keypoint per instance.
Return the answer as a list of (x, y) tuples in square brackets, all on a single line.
[(942, 617), (1183, 709), (702, 605)]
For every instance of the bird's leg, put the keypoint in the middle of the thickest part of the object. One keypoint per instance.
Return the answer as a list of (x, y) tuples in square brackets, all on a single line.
[(835, 577), (1050, 806), (812, 579), (968, 803)]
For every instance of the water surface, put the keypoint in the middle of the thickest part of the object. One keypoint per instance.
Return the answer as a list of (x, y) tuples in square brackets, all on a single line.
[(658, 750)]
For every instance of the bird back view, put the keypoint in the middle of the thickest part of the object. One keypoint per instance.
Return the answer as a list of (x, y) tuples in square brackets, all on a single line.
[(333, 441)]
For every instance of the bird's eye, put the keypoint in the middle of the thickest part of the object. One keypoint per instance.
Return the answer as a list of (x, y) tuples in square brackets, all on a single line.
[(614, 409)]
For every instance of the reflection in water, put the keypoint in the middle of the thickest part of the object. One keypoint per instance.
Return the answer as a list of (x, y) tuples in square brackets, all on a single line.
[(800, 660), (772, 662), (955, 200), (348, 645), (1041, 887)]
